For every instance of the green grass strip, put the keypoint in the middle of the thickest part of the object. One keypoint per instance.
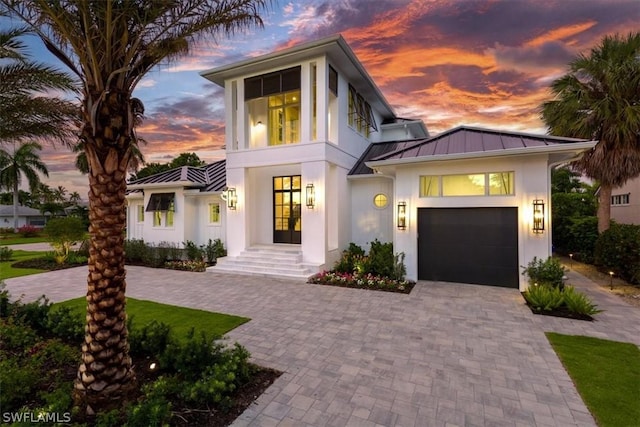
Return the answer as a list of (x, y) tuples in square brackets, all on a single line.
[(180, 319), (606, 374), (7, 272), (11, 239)]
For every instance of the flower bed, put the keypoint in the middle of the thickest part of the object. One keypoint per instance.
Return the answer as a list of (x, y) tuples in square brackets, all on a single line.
[(198, 266), (362, 281)]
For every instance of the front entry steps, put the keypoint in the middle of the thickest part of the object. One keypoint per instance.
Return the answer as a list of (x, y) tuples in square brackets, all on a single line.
[(282, 261)]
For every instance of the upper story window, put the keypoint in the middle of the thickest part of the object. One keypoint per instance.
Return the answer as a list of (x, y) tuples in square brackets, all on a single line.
[(477, 184), (360, 113), (620, 199), (274, 98)]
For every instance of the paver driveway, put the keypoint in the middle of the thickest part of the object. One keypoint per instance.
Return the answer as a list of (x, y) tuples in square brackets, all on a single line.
[(448, 354)]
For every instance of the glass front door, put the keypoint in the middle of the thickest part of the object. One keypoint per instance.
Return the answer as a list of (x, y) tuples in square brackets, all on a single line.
[(287, 198)]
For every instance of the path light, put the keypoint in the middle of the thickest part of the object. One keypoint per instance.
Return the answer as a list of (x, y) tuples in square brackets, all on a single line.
[(571, 261), (538, 216), (611, 280)]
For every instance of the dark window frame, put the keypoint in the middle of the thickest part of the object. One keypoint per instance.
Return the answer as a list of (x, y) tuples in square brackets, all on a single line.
[(286, 80)]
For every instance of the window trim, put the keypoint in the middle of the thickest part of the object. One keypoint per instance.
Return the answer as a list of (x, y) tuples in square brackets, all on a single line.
[(621, 199), (209, 206), (386, 201)]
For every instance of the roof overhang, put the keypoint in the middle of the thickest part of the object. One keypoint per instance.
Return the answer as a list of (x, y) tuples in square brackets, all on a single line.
[(571, 150), (156, 185), (335, 47)]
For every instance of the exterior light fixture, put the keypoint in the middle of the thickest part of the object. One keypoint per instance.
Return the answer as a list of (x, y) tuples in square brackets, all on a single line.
[(402, 215), (311, 196), (538, 216), (229, 195)]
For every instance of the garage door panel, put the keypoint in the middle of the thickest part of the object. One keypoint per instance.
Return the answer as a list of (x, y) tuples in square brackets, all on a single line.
[(469, 245)]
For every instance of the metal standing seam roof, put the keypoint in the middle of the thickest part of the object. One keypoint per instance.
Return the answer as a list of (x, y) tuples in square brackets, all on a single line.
[(465, 139), (373, 151), (209, 178)]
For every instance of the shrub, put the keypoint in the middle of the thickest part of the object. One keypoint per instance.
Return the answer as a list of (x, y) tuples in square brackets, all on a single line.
[(578, 302), (214, 250), (5, 253), (618, 250), (348, 259), (20, 378), (64, 323), (151, 340), (543, 297), (198, 266), (380, 260), (194, 252), (28, 231), (583, 234), (63, 233), (548, 272)]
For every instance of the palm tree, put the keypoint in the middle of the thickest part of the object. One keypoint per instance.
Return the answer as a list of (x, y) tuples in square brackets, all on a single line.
[(111, 45), (23, 161), (25, 116), (599, 99)]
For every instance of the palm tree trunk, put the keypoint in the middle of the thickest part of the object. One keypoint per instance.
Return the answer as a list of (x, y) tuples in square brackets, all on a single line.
[(604, 208), (16, 202), (105, 377)]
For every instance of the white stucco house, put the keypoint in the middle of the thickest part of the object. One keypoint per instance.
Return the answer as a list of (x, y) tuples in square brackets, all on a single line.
[(316, 158), (26, 216)]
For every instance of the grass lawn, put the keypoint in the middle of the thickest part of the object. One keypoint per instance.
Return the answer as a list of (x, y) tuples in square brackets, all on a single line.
[(606, 374), (6, 271), (180, 319), (12, 239)]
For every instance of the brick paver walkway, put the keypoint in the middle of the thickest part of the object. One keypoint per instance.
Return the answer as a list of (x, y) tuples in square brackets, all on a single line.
[(446, 355)]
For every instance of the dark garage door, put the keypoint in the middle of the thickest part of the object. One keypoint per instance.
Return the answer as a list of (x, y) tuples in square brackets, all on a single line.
[(469, 245)]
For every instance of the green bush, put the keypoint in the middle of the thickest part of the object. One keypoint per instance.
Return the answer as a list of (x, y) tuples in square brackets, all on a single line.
[(618, 250), (380, 260), (347, 263), (15, 336), (548, 272), (583, 234), (578, 302), (214, 250), (543, 297), (135, 250), (18, 382), (63, 233), (194, 252), (151, 340), (64, 323), (5, 253)]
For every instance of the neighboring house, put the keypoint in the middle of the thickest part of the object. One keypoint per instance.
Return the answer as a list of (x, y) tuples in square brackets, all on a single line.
[(625, 202), (26, 216), (317, 158)]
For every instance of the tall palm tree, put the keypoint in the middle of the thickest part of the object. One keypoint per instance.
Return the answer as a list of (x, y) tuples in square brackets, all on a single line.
[(600, 99), (111, 45), (23, 161)]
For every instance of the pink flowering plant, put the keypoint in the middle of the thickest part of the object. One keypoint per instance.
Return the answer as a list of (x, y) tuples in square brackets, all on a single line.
[(379, 270)]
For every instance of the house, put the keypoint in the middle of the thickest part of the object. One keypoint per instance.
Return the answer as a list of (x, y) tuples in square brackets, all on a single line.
[(26, 216), (625, 202), (316, 158)]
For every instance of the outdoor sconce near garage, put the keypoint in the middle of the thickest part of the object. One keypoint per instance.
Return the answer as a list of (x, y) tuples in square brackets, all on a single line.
[(538, 216), (311, 196), (230, 196), (402, 215)]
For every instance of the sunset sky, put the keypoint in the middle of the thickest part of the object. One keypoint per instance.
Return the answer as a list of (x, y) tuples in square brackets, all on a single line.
[(448, 62)]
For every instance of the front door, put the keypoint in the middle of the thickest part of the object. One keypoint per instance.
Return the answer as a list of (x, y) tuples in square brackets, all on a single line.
[(287, 222)]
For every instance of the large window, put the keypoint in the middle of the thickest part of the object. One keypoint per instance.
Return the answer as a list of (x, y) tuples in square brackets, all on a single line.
[(360, 113), (476, 184), (284, 118), (275, 98), (163, 207), (140, 213)]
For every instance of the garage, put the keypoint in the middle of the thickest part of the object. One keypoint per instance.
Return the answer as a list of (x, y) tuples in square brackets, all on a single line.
[(469, 245)]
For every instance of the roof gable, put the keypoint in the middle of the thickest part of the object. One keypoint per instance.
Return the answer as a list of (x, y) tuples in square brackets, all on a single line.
[(208, 178)]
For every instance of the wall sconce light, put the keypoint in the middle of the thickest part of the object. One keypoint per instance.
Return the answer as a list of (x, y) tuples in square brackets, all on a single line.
[(311, 196), (538, 216), (229, 195), (402, 215)]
